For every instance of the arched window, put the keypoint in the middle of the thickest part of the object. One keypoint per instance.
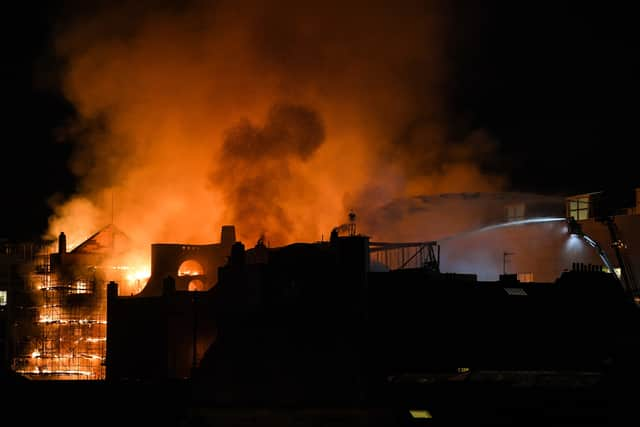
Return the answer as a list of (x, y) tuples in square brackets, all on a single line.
[(190, 268), (196, 285)]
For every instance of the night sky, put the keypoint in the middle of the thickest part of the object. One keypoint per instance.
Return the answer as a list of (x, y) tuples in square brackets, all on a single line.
[(555, 84)]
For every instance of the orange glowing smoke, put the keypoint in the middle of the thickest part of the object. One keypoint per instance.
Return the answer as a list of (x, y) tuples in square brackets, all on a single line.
[(278, 117)]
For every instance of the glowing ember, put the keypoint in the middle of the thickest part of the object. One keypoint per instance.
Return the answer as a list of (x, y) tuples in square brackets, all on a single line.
[(189, 273), (136, 278)]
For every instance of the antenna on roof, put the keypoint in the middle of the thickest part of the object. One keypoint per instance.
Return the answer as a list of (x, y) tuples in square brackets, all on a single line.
[(112, 205)]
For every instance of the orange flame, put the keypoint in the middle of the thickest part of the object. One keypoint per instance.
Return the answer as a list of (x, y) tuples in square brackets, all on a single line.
[(161, 98)]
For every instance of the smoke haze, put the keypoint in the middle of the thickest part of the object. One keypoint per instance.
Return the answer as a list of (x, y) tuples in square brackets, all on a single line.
[(278, 117)]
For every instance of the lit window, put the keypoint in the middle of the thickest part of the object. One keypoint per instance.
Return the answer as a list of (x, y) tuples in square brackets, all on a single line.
[(190, 268), (196, 285), (525, 277), (3, 297), (616, 270), (420, 413), (579, 208)]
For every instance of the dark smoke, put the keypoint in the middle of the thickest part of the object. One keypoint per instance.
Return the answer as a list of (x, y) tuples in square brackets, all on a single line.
[(254, 167), (176, 110)]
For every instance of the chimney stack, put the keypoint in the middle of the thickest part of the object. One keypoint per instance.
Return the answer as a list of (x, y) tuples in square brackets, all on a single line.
[(227, 236), (62, 243)]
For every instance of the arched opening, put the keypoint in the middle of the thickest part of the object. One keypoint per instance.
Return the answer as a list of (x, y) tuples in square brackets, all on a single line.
[(190, 268), (196, 285)]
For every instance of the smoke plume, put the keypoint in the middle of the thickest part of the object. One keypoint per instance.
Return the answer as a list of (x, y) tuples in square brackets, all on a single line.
[(278, 117), (255, 165)]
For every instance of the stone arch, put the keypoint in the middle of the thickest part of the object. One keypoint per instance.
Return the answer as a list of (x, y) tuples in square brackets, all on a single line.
[(167, 260)]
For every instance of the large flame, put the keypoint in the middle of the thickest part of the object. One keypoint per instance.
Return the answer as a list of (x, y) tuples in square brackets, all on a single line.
[(278, 117)]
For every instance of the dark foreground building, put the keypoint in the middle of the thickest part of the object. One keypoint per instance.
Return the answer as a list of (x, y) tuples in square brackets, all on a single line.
[(305, 334)]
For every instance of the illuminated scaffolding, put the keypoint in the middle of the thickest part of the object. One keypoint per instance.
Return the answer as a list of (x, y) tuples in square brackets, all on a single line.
[(63, 332)]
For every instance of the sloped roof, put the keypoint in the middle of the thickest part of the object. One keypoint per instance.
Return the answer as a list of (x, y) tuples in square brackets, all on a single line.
[(109, 239)]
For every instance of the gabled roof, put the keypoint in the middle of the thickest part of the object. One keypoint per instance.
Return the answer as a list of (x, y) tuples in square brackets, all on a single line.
[(109, 239)]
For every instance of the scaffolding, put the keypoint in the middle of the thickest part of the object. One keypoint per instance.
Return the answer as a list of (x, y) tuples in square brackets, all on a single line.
[(63, 331), (398, 256)]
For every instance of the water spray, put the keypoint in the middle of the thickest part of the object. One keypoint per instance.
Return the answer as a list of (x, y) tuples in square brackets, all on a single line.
[(505, 224)]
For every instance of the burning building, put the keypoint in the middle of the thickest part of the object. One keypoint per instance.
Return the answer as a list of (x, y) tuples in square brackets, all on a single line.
[(168, 325), (188, 327), (61, 328), (311, 323), (345, 321), (193, 267)]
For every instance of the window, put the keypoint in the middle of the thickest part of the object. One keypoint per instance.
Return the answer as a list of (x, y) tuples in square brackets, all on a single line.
[(190, 268), (579, 208), (525, 277), (515, 212), (420, 413), (3, 298), (196, 285)]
